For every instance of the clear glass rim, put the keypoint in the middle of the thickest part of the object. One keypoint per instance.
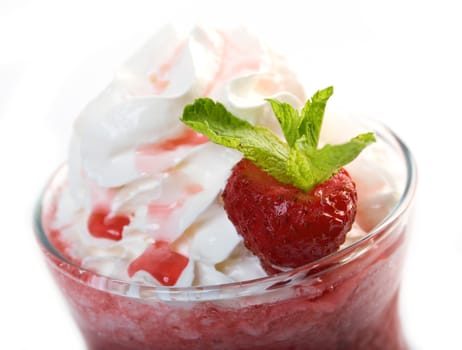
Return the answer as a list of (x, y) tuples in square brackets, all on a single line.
[(247, 287)]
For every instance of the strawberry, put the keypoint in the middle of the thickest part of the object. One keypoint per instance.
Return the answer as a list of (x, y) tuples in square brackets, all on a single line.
[(286, 227), (292, 202)]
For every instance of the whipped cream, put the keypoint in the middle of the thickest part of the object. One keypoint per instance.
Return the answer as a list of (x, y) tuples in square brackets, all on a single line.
[(132, 161), (131, 155)]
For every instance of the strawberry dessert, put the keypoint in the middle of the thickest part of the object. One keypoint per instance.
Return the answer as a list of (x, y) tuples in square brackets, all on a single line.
[(207, 204)]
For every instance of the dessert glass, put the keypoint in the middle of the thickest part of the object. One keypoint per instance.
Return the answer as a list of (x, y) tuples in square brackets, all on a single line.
[(347, 300)]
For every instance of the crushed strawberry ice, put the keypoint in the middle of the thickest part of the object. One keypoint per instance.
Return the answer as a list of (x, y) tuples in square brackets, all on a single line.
[(142, 199)]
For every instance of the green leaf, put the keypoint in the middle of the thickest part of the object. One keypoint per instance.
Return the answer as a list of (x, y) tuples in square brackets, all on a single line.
[(289, 119), (300, 167), (257, 143), (298, 162), (331, 158), (310, 166), (313, 115)]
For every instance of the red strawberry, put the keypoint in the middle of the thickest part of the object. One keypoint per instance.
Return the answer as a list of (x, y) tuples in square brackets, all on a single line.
[(284, 226), (292, 202)]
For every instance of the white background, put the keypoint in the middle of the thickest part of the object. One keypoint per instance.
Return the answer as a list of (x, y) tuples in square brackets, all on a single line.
[(398, 61)]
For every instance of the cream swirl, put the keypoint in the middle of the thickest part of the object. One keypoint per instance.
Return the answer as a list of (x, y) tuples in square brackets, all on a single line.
[(131, 155)]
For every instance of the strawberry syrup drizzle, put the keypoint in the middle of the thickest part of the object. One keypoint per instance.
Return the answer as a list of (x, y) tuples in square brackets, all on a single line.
[(194, 188), (103, 225), (163, 211), (160, 262), (188, 138), (146, 155)]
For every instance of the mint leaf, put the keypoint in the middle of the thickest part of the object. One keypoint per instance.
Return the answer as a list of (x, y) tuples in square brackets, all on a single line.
[(299, 165), (313, 115), (289, 119), (257, 143), (331, 158), (310, 166), (298, 162)]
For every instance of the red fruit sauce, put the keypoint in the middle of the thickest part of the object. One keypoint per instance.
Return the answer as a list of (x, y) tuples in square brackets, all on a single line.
[(188, 138), (160, 262), (102, 225)]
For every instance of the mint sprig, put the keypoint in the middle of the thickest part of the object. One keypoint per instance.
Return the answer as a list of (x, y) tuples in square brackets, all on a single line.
[(298, 162)]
